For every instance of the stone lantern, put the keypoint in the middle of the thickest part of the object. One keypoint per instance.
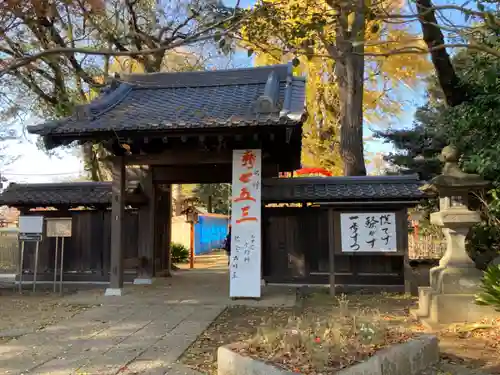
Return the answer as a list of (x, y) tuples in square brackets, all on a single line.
[(454, 283), (190, 210)]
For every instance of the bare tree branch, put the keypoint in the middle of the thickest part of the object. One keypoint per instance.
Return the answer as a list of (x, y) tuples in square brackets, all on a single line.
[(434, 8), (196, 37), (448, 79)]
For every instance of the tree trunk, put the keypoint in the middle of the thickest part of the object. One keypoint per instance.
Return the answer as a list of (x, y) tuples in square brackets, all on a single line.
[(454, 90), (178, 199), (90, 161), (209, 205), (349, 69)]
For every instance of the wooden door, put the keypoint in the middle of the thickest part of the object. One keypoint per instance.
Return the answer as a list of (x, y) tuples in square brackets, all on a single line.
[(284, 256)]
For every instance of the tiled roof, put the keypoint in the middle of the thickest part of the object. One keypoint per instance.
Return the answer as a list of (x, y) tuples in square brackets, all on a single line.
[(176, 101), (53, 194), (322, 189), (342, 189)]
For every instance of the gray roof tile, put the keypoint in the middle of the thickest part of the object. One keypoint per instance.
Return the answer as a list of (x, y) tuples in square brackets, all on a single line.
[(342, 189), (332, 189), (175, 101), (53, 194)]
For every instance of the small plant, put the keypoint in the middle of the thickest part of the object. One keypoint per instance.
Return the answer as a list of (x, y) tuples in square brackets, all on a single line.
[(490, 285), (324, 344), (180, 253), (343, 302), (366, 333)]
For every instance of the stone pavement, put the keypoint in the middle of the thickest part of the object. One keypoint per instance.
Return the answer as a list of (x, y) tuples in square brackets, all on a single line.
[(143, 332)]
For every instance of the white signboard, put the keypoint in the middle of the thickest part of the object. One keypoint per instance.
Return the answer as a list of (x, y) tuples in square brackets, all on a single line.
[(30, 224), (245, 262), (368, 232), (59, 227)]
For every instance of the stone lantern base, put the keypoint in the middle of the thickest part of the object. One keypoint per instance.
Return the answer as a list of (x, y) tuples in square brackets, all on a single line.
[(452, 297)]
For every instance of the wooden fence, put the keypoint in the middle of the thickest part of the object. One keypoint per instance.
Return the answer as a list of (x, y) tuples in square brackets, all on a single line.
[(88, 249), (425, 247), (9, 250)]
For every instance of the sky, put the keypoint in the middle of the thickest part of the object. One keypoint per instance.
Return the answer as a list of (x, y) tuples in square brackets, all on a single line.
[(35, 166)]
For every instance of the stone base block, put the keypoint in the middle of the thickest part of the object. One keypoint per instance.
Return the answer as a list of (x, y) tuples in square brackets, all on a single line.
[(143, 281), (113, 292), (409, 358), (455, 280), (439, 309), (424, 297)]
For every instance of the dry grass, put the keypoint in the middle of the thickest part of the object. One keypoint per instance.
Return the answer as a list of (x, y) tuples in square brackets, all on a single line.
[(324, 343), (30, 312), (323, 324), (238, 323), (284, 335)]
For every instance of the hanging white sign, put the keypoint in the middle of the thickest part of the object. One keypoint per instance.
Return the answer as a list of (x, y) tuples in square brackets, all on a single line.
[(245, 259), (366, 232)]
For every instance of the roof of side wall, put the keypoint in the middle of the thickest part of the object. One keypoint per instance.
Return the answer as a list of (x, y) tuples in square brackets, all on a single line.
[(323, 189), (69, 194), (343, 189)]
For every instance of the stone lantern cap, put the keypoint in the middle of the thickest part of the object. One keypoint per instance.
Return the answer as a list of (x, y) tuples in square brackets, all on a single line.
[(452, 179)]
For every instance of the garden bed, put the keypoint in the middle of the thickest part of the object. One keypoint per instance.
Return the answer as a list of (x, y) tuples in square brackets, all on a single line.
[(324, 344), (409, 358), (471, 346)]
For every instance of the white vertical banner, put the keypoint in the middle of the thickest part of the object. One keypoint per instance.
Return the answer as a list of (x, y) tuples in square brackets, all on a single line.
[(245, 262)]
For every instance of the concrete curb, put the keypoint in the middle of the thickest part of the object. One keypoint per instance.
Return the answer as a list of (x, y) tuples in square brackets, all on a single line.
[(409, 358)]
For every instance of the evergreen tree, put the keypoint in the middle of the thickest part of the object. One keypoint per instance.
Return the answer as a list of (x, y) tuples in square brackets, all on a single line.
[(215, 197)]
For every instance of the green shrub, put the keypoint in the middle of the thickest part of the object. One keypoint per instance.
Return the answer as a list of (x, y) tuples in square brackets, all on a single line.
[(180, 253), (490, 285)]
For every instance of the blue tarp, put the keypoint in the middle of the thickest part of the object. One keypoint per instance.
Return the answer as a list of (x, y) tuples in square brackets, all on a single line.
[(209, 233)]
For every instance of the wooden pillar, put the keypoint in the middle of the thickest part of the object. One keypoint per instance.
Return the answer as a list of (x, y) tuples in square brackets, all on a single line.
[(331, 250), (191, 245), (167, 230), (157, 228), (117, 219), (270, 170), (402, 228), (146, 234), (163, 212)]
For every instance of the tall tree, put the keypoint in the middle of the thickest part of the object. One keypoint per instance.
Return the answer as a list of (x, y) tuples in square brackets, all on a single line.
[(45, 69), (472, 126), (320, 145), (486, 18), (343, 88), (343, 32), (215, 197)]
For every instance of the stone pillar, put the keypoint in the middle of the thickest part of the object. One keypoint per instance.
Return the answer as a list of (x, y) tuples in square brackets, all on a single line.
[(450, 298)]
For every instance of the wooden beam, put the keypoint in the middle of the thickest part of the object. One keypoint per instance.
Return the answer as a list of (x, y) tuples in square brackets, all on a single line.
[(193, 174), (181, 157), (117, 221), (203, 174)]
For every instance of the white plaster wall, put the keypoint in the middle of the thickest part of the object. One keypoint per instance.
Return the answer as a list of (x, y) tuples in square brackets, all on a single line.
[(181, 230)]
